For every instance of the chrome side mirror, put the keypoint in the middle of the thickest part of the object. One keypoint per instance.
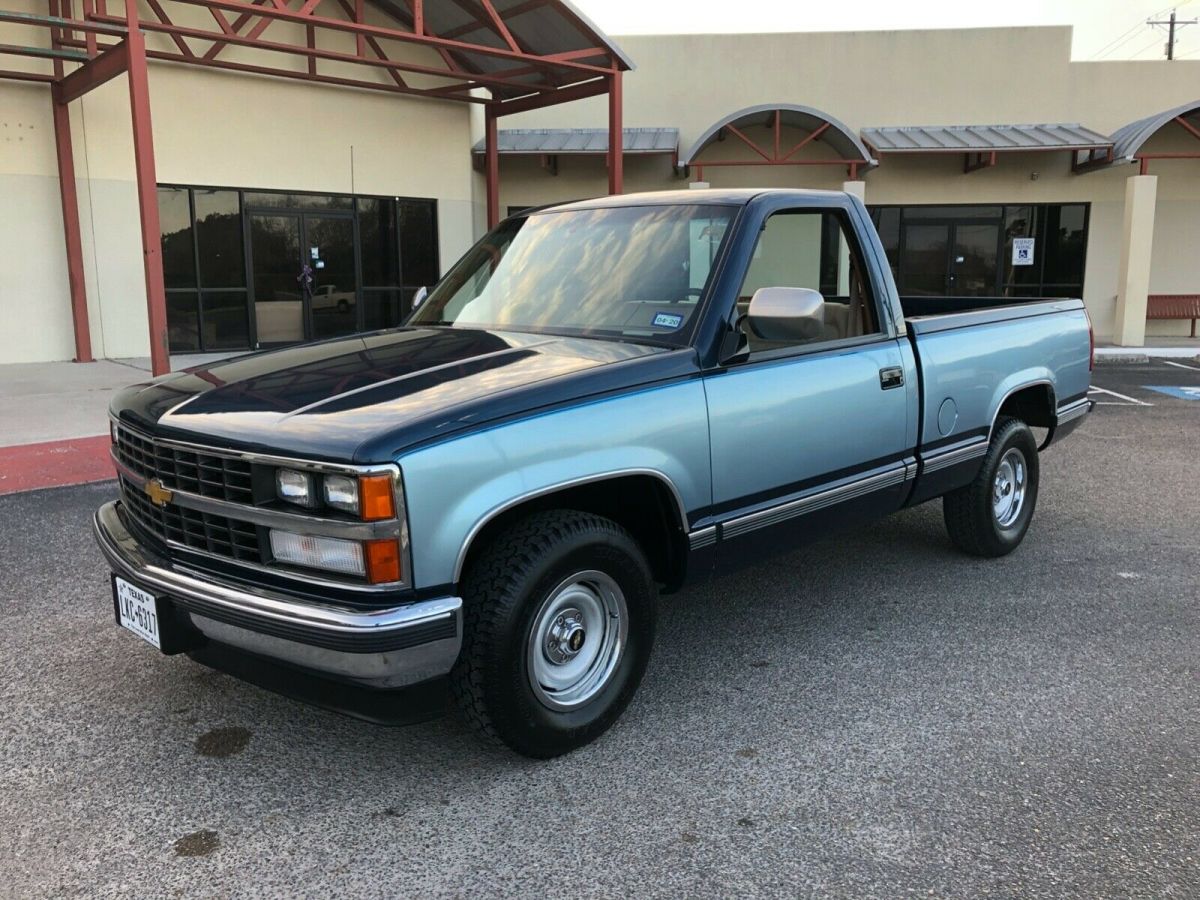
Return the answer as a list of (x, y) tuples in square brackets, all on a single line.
[(419, 296), (787, 314)]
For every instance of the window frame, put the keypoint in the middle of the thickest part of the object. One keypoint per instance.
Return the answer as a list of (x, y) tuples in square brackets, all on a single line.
[(868, 265)]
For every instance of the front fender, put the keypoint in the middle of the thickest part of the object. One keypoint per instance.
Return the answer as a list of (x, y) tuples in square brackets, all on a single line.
[(452, 489)]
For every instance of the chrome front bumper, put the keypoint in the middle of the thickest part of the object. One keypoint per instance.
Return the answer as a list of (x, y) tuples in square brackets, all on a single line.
[(388, 648)]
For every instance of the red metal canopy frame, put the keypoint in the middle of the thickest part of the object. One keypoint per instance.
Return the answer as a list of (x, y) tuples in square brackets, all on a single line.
[(485, 51)]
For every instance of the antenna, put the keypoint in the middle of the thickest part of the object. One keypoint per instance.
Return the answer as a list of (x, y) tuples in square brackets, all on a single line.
[(1173, 24)]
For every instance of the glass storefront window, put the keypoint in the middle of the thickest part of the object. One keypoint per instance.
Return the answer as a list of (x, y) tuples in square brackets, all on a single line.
[(378, 233), (183, 321), (968, 250), (178, 251), (297, 200), (235, 264), (219, 239), (418, 243)]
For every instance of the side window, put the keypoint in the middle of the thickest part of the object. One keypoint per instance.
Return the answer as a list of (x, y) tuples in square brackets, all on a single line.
[(811, 249)]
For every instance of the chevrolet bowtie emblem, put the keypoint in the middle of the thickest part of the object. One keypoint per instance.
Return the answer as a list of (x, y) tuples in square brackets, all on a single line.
[(158, 494)]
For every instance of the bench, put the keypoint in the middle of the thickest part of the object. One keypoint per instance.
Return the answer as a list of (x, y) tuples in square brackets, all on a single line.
[(1174, 306)]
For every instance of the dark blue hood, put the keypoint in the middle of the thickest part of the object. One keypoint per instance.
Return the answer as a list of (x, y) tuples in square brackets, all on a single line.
[(368, 397)]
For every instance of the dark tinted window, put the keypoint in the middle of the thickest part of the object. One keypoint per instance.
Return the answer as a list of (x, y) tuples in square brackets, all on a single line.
[(226, 322), (175, 225), (379, 235), (219, 237), (418, 243), (279, 200), (183, 321)]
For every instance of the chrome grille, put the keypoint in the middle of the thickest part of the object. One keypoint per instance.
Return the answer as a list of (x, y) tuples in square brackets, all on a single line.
[(210, 533), (206, 474), (196, 472)]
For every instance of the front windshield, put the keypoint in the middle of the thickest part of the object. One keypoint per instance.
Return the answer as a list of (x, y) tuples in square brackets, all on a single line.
[(624, 272)]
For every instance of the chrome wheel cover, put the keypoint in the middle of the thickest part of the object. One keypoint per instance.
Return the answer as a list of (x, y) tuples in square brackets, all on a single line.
[(1008, 487), (576, 640)]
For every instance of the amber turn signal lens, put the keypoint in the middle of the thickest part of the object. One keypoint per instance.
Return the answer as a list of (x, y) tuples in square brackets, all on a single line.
[(383, 561), (376, 499)]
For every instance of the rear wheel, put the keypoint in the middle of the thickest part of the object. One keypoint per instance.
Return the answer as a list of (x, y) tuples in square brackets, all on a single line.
[(559, 622), (989, 517)]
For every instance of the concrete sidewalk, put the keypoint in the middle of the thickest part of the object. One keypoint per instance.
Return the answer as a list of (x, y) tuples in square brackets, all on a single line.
[(54, 418)]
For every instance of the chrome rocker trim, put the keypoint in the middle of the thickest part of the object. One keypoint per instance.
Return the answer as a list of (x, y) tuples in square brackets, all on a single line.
[(817, 499), (935, 462), (386, 648)]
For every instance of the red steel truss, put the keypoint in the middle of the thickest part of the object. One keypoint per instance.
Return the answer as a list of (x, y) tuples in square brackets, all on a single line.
[(484, 60), (776, 155)]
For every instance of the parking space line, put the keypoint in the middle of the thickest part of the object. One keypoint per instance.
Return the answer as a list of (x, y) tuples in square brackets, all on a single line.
[(1099, 390), (1181, 365)]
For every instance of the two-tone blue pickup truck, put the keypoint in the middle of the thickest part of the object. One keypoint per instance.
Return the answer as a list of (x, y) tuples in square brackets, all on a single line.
[(602, 401)]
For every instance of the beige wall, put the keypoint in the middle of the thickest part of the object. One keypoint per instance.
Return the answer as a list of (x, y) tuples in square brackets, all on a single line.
[(210, 128), (973, 76)]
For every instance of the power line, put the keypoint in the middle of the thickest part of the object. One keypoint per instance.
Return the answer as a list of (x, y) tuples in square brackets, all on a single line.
[(1126, 36)]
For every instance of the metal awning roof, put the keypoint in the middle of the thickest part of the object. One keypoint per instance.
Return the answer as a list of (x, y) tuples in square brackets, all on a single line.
[(1128, 139), (983, 138), (844, 142), (583, 141), (540, 28)]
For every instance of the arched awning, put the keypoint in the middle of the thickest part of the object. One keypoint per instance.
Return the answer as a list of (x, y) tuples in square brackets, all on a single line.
[(820, 127), (1128, 140)]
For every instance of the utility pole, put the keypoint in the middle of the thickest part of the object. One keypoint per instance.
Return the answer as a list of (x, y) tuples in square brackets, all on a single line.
[(1173, 24)]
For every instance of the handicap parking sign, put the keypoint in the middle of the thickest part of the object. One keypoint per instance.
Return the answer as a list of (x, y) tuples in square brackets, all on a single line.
[(1181, 392)]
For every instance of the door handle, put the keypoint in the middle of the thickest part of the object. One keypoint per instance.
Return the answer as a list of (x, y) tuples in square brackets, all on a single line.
[(891, 377)]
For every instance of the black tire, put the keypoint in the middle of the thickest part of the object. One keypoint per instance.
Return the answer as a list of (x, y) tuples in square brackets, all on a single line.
[(505, 591), (970, 513)]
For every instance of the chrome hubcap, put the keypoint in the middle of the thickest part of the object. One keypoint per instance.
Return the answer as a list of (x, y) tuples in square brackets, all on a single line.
[(576, 640), (1008, 488)]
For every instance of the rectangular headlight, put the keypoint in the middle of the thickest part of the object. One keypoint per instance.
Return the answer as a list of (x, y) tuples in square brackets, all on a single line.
[(330, 554), (295, 487), (341, 492)]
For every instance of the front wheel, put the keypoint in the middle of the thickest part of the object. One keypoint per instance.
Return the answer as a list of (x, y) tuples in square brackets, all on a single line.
[(559, 622), (989, 517)]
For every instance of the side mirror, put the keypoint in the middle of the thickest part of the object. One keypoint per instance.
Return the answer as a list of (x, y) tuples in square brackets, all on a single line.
[(419, 296), (787, 314)]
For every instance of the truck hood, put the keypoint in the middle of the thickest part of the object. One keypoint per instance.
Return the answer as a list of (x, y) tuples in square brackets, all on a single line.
[(368, 397)]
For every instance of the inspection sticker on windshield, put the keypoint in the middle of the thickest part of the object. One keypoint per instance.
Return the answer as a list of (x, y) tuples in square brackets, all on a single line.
[(1182, 392), (668, 320)]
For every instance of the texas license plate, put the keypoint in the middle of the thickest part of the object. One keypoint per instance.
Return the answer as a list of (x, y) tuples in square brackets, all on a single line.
[(137, 611)]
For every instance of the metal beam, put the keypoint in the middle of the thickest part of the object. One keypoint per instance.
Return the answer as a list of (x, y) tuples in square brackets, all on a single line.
[(407, 37), (71, 231), (492, 167), (616, 136), (105, 67), (14, 75), (552, 98), (147, 187)]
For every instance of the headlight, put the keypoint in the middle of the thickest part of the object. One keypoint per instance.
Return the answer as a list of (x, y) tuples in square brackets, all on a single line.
[(295, 487), (341, 492)]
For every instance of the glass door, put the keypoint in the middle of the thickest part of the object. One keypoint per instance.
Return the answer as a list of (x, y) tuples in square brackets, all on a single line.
[(974, 264), (924, 260), (329, 252), (279, 292)]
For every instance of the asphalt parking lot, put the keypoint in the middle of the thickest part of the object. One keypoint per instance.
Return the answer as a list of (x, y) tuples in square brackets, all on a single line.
[(873, 716)]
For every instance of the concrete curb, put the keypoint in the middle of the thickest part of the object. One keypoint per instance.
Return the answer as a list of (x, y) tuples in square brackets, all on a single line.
[(1110, 356)]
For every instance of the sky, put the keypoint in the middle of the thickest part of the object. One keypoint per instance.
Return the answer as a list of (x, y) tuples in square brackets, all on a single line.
[(1104, 29)]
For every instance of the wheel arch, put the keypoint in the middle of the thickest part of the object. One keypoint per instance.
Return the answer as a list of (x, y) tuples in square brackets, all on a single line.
[(1033, 402), (643, 501)]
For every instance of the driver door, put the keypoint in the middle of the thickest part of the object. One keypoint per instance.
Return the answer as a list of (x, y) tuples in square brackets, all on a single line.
[(808, 434)]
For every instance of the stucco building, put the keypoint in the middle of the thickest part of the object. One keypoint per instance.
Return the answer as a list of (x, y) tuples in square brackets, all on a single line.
[(993, 163)]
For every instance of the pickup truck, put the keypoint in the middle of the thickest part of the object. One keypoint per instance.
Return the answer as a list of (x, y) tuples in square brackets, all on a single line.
[(601, 402)]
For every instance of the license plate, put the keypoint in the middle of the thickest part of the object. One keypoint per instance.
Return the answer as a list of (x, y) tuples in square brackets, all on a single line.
[(137, 611)]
